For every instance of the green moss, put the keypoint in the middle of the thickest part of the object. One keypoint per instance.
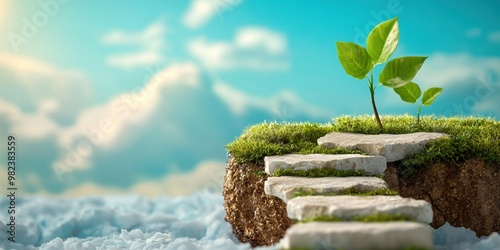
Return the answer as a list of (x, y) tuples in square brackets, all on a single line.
[(366, 218), (349, 191), (281, 138), (322, 218), (470, 137), (319, 172), (260, 173)]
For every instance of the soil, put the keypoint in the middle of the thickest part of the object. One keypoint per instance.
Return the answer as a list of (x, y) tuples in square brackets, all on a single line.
[(463, 194), (256, 218)]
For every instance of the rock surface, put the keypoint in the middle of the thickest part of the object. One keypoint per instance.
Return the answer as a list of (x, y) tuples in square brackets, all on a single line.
[(347, 207), (358, 236), (464, 194), (284, 187), (392, 147), (371, 164)]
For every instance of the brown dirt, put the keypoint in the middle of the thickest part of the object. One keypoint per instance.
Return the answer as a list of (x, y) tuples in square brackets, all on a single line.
[(463, 194), (256, 218)]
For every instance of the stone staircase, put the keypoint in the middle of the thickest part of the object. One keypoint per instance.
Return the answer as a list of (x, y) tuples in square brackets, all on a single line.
[(341, 230)]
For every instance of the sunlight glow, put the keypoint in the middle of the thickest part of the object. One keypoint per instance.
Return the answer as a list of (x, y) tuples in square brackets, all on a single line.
[(4, 6)]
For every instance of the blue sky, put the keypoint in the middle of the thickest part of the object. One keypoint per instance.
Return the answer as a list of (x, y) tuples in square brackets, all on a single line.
[(141, 96)]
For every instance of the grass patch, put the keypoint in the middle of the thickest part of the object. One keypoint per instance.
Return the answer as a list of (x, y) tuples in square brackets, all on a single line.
[(319, 172), (281, 138), (470, 137), (349, 191), (367, 218)]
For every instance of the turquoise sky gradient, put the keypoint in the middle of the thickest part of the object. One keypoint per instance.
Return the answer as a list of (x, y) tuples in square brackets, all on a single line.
[(141, 96)]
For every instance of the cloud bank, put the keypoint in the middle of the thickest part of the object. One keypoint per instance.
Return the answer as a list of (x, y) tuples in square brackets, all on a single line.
[(150, 44), (201, 12), (253, 48), (154, 135)]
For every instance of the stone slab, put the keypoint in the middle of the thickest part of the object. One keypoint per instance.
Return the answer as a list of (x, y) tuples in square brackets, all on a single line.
[(347, 207), (371, 164), (392, 147), (358, 236), (285, 187)]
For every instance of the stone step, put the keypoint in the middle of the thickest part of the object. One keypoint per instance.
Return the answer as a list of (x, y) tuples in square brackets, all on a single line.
[(346, 207), (371, 164), (358, 235), (285, 187), (392, 147)]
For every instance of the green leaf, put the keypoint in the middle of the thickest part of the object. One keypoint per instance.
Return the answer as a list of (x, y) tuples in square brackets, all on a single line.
[(409, 92), (354, 59), (400, 71), (383, 40), (430, 95)]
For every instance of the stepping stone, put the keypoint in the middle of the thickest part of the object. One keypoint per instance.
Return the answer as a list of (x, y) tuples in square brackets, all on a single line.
[(392, 147), (346, 207), (371, 164), (358, 236), (284, 187)]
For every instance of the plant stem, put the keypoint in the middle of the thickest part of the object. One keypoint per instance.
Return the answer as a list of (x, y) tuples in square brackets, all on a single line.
[(372, 95), (418, 114)]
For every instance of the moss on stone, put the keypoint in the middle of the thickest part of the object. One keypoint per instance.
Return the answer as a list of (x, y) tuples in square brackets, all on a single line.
[(367, 218), (319, 172), (349, 191)]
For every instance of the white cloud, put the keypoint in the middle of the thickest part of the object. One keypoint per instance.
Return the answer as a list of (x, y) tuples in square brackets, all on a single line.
[(108, 125), (474, 32), (201, 11), (254, 48), (150, 43), (448, 70), (487, 95), (494, 37), (207, 175), (42, 78), (284, 104), (160, 124), (470, 83), (131, 60), (164, 111), (86, 189), (33, 126), (490, 105), (4, 9), (43, 87), (262, 39)]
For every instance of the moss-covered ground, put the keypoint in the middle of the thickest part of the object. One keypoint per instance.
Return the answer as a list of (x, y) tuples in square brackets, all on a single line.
[(469, 137)]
